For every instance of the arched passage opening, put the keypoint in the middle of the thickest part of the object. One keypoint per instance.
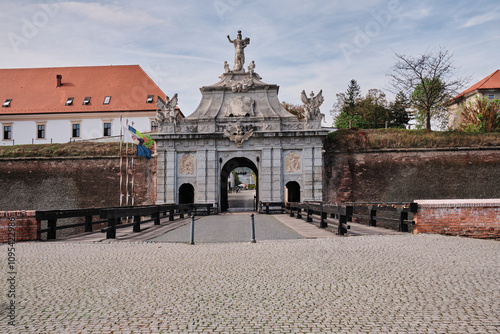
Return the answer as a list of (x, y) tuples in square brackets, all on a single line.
[(292, 192), (186, 194), (245, 200)]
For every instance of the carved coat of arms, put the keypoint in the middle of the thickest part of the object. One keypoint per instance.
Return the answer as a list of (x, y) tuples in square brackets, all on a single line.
[(240, 106), (237, 134)]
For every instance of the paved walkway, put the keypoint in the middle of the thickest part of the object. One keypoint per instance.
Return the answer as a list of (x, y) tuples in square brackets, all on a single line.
[(368, 284)]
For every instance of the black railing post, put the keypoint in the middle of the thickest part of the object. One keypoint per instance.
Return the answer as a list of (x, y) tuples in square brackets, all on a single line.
[(403, 216), (137, 224), (299, 212), (291, 209), (267, 208), (322, 222), (88, 223), (192, 230), (253, 228), (51, 224), (111, 232), (308, 219), (156, 217), (373, 214), (171, 215)]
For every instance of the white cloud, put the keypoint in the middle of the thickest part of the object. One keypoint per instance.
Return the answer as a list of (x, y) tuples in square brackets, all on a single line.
[(110, 14), (480, 19)]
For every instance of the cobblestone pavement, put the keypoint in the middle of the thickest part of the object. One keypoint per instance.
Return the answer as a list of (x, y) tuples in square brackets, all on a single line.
[(366, 284), (237, 228)]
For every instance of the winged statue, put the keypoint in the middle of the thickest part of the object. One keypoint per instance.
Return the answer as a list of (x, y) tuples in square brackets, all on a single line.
[(312, 104), (167, 112)]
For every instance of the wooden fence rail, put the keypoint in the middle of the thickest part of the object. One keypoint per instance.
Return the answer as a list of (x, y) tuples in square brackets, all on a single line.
[(344, 213), (114, 216)]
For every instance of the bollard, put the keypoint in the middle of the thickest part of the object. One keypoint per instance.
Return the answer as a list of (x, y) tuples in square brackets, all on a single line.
[(192, 229), (253, 228)]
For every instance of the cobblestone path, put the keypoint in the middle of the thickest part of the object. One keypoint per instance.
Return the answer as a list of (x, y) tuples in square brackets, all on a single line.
[(231, 228), (366, 284)]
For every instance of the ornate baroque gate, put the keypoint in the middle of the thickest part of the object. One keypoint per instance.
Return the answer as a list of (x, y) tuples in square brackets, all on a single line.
[(239, 123)]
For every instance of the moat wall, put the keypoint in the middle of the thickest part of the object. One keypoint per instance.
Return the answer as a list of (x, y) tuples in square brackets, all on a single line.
[(405, 175)]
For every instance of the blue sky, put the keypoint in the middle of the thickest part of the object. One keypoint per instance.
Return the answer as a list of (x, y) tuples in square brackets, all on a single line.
[(299, 45)]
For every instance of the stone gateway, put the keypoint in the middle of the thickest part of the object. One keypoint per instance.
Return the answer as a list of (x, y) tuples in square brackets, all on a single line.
[(240, 123)]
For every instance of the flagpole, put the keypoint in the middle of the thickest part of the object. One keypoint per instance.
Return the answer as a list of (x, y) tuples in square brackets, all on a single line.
[(126, 171), (121, 159), (132, 191)]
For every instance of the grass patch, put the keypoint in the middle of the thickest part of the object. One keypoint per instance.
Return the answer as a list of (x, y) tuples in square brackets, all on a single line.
[(346, 140), (74, 149)]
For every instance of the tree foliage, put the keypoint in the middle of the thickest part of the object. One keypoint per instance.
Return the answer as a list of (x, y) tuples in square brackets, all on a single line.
[(297, 110), (481, 115), (428, 79), (370, 111)]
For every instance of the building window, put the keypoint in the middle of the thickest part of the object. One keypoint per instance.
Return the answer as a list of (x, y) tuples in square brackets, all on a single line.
[(69, 101), (491, 97), (150, 99), (40, 133), (107, 129), (86, 101), (154, 126), (7, 132), (107, 99), (76, 130), (7, 103)]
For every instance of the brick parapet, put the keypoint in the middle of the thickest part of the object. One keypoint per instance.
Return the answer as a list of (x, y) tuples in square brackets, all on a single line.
[(18, 226), (470, 218)]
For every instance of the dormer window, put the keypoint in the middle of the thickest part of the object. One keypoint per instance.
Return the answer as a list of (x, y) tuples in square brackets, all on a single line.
[(150, 99), (69, 101), (107, 99), (86, 101), (7, 103)]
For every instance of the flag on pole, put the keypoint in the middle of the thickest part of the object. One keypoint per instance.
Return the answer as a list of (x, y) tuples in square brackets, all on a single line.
[(143, 142)]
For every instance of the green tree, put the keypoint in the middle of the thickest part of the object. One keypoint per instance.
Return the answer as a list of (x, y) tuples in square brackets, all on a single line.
[(398, 114), (351, 96), (428, 79), (481, 115)]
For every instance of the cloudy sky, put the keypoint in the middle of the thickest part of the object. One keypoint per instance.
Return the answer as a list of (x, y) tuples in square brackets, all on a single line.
[(299, 45)]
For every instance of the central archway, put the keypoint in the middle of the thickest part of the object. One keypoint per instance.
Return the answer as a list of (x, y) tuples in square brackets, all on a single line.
[(226, 170)]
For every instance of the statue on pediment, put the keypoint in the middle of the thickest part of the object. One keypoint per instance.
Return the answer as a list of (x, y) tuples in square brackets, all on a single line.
[(239, 54), (312, 104)]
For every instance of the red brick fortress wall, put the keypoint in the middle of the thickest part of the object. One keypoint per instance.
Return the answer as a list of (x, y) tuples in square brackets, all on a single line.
[(470, 218), (17, 226), (403, 175)]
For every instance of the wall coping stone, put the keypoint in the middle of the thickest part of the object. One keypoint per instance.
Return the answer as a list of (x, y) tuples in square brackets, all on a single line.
[(19, 213), (420, 149), (459, 203)]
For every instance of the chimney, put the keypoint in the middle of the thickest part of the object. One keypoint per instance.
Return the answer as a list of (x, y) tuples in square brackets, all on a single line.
[(59, 78)]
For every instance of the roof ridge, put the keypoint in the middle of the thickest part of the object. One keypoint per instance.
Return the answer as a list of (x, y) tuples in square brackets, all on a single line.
[(61, 67)]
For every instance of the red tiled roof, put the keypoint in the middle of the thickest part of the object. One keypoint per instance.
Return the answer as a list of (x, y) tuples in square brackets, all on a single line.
[(492, 81), (34, 90)]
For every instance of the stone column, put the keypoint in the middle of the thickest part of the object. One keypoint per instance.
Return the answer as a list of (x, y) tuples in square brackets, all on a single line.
[(265, 175), (318, 173), (161, 178), (277, 175), (307, 174), (171, 174)]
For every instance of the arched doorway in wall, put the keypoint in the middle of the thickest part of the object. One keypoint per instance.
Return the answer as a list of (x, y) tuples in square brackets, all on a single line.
[(292, 191), (244, 199), (186, 194)]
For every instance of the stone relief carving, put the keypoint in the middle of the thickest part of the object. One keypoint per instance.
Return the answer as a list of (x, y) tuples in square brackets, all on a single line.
[(241, 86), (189, 129), (312, 105), (186, 165), (240, 106), (237, 133), (239, 54), (292, 163), (166, 110)]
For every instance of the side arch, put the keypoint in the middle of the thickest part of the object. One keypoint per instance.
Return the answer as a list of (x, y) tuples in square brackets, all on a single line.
[(186, 194), (292, 190)]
